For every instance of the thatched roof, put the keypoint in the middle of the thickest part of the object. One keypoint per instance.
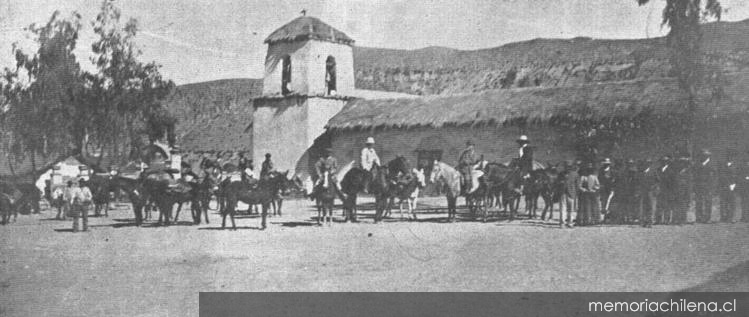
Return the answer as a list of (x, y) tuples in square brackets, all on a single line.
[(308, 28), (229, 130), (536, 105)]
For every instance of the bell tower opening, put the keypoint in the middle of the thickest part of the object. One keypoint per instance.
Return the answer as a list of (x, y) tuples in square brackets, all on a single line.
[(330, 76), (285, 74)]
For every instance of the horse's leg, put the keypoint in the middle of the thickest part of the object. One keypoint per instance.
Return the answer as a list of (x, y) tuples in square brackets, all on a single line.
[(205, 209), (179, 208), (330, 212), (223, 218), (265, 206), (280, 203), (233, 212)]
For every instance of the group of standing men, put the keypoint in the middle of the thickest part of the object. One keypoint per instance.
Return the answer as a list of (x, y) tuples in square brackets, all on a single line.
[(661, 193), (76, 199)]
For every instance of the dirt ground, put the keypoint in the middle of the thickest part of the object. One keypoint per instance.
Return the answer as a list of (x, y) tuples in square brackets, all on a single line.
[(118, 269)]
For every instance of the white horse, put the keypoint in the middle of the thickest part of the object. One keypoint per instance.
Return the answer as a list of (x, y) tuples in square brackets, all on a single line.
[(411, 200)]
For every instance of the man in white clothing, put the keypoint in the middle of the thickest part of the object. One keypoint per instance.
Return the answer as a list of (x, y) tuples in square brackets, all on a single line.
[(368, 159)]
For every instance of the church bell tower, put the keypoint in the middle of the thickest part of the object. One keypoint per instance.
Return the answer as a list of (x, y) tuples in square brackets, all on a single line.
[(309, 77)]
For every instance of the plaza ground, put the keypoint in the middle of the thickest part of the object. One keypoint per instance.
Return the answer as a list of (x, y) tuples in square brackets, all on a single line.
[(118, 269)]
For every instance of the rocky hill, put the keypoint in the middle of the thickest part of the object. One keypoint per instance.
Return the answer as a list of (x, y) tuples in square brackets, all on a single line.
[(217, 114), (538, 62)]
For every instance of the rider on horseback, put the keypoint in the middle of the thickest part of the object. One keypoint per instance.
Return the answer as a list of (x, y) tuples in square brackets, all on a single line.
[(368, 159), (525, 156), (326, 164), (467, 164)]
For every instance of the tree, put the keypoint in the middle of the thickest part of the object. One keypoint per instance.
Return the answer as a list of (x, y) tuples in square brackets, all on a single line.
[(124, 98), (52, 110), (38, 97), (683, 17)]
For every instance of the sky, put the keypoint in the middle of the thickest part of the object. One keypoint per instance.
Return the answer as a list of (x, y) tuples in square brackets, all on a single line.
[(200, 40)]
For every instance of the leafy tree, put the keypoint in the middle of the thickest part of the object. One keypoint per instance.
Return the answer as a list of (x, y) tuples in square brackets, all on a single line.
[(38, 97), (124, 97), (51, 110), (683, 17)]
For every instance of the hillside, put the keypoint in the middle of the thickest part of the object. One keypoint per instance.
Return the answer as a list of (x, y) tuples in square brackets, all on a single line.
[(214, 115), (538, 62), (217, 115)]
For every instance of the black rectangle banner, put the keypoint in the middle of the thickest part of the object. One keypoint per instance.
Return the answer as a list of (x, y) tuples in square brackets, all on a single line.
[(474, 304)]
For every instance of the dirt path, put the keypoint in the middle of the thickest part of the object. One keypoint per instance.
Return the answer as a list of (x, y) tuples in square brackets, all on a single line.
[(118, 269)]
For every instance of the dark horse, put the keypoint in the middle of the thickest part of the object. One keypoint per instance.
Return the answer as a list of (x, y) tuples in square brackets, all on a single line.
[(136, 193), (264, 193), (352, 184), (495, 179), (204, 191), (101, 187), (6, 208), (404, 182), (324, 195)]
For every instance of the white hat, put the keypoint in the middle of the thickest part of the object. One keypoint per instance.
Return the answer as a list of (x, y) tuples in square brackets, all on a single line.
[(370, 140), (523, 138)]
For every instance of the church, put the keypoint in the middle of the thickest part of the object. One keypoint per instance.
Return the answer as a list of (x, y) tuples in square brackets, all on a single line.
[(309, 78), (309, 102)]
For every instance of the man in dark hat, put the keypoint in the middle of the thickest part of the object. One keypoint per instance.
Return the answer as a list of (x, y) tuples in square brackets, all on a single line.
[(525, 155), (727, 181), (466, 162), (266, 167), (625, 190), (666, 180), (743, 189), (571, 180), (646, 192), (704, 186), (606, 179), (683, 188), (326, 163)]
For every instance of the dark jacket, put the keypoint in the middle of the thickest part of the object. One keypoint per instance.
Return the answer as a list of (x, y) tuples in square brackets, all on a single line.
[(329, 164), (705, 174), (467, 158), (727, 176), (571, 183)]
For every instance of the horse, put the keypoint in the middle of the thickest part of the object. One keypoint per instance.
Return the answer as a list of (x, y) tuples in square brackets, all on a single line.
[(451, 178), (136, 192), (409, 192), (324, 195), (100, 187), (266, 190), (26, 196), (352, 184), (190, 196), (6, 209), (551, 188), (205, 189), (380, 188), (495, 180)]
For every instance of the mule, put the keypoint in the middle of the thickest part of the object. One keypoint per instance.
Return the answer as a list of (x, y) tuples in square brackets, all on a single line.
[(495, 179), (263, 194), (324, 194), (136, 192), (551, 189), (6, 209), (451, 178), (409, 193), (101, 187)]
